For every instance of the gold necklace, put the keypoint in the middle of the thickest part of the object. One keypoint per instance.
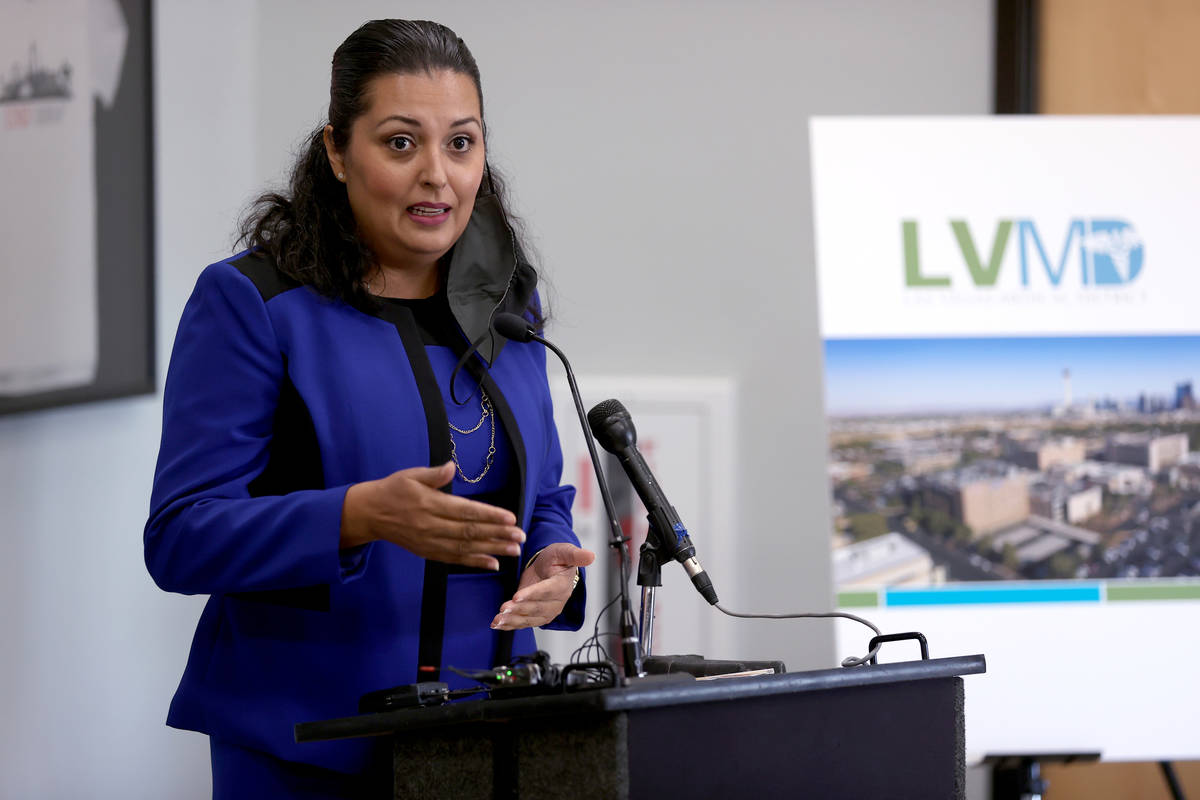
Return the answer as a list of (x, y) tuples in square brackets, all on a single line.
[(485, 405)]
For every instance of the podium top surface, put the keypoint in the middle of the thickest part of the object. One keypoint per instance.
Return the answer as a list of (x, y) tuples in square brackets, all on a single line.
[(646, 693)]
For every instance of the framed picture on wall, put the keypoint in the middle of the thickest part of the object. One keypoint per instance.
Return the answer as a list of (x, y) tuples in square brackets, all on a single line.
[(76, 218)]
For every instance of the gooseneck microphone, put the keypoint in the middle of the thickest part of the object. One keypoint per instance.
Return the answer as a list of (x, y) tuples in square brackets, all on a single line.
[(518, 329), (614, 429), (515, 327)]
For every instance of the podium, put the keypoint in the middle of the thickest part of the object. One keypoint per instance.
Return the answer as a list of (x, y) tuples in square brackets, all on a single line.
[(877, 731)]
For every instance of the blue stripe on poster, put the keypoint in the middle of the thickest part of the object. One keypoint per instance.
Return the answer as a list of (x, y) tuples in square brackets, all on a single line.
[(1016, 593)]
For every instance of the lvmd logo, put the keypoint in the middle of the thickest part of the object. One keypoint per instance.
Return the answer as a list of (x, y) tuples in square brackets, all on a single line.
[(1104, 252)]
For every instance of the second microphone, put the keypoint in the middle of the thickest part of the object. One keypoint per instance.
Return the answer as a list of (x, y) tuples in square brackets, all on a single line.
[(613, 428)]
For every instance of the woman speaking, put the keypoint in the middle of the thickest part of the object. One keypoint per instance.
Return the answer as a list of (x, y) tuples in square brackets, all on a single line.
[(362, 476)]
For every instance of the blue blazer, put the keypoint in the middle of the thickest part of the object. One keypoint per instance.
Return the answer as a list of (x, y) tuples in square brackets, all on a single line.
[(277, 400)]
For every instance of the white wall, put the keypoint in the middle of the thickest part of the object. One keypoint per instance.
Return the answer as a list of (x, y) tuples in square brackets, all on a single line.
[(659, 151), (92, 650)]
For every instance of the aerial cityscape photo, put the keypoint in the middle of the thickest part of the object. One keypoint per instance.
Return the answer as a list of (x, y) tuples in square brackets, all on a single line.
[(1013, 458)]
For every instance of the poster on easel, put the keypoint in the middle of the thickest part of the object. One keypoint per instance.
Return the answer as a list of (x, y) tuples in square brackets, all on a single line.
[(1012, 358)]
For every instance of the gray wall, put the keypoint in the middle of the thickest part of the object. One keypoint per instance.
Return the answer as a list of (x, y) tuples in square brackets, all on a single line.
[(660, 154)]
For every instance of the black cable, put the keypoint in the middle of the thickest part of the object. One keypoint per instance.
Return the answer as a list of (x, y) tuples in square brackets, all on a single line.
[(471, 676), (591, 645), (850, 661), (1173, 785), (595, 651)]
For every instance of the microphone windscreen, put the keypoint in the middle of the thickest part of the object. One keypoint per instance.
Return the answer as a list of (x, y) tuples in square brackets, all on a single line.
[(601, 412), (512, 326)]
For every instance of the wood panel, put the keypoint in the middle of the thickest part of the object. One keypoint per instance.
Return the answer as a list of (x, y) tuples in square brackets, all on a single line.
[(1118, 57), (1124, 781)]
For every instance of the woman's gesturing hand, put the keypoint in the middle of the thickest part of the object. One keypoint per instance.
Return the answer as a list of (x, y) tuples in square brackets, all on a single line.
[(407, 508), (545, 587)]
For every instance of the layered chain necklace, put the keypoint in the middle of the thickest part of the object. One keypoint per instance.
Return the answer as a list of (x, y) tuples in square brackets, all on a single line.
[(485, 405), (487, 415)]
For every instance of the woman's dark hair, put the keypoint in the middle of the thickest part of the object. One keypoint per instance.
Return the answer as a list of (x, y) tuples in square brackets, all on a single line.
[(309, 230)]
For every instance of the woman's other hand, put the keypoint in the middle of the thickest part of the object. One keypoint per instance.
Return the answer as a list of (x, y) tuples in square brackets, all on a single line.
[(546, 585), (407, 509)]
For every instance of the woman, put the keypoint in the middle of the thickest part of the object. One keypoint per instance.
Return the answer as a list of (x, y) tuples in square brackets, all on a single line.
[(315, 379)]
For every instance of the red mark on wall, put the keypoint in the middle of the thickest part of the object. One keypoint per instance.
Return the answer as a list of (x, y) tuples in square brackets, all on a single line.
[(585, 483), (17, 117)]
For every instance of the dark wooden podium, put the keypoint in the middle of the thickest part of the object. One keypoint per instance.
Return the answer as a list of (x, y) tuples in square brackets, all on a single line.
[(883, 731)]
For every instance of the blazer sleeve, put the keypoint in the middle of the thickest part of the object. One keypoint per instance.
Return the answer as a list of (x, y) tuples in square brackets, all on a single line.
[(551, 520), (206, 533)]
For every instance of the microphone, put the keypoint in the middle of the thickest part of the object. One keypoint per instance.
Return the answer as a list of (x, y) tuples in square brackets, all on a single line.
[(517, 328), (513, 326), (614, 429)]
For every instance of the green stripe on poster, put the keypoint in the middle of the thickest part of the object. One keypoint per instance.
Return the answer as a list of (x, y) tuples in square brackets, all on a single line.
[(1153, 591), (858, 599)]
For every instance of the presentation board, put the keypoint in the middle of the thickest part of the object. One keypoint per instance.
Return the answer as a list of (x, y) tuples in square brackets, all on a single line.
[(1011, 343)]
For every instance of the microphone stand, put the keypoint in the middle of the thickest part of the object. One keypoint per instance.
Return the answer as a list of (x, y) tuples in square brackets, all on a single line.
[(630, 650), (649, 578)]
